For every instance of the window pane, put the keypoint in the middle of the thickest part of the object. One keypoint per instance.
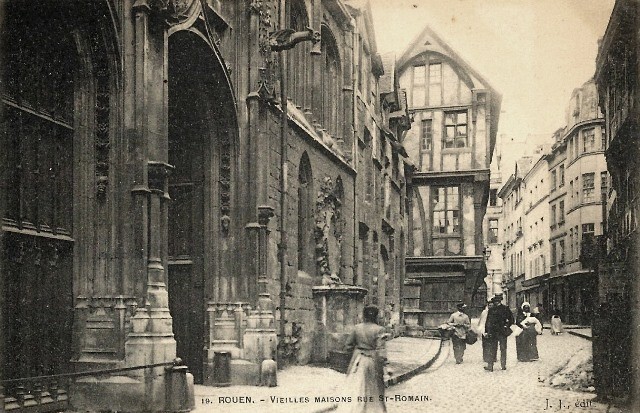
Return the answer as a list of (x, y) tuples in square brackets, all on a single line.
[(453, 222), (439, 223), (418, 75), (450, 119), (435, 95), (588, 186), (427, 134), (435, 73), (418, 97), (456, 130)]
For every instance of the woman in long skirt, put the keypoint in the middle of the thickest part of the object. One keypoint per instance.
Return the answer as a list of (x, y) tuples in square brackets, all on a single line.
[(365, 376), (527, 341)]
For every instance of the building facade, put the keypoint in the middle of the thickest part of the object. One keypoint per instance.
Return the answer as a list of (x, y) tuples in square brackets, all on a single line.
[(512, 193), (493, 229), (180, 180), (561, 215), (577, 186), (616, 325), (536, 234), (556, 160), (455, 116)]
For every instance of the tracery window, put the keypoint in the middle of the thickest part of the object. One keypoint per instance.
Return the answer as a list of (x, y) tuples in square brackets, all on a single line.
[(57, 87), (38, 104), (331, 84), (298, 56)]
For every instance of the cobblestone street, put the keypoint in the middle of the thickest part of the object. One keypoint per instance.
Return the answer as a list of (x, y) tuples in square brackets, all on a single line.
[(469, 388), (444, 387)]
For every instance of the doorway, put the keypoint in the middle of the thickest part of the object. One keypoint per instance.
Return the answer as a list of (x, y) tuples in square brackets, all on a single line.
[(201, 135)]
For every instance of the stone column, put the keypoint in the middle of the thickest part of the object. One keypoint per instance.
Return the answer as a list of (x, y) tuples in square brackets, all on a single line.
[(265, 212), (151, 340)]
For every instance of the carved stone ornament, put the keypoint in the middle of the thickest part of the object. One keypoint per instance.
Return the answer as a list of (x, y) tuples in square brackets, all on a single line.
[(328, 216), (268, 69), (171, 11), (286, 39)]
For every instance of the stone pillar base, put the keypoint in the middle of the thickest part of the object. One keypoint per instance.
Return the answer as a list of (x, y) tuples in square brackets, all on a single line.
[(165, 388), (338, 308)]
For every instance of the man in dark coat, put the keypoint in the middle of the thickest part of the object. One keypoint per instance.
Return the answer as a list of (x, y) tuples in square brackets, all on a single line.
[(497, 329)]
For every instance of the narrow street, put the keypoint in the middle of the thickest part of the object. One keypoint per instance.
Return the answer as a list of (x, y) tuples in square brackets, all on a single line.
[(291, 205), (469, 388)]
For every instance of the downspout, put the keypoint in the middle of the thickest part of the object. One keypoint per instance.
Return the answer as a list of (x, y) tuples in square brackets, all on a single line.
[(280, 41), (282, 248), (354, 149)]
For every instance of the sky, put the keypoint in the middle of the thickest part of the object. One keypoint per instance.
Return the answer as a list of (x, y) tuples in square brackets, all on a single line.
[(534, 52)]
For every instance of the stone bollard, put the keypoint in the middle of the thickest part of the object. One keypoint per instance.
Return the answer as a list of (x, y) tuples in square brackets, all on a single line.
[(180, 389), (268, 373)]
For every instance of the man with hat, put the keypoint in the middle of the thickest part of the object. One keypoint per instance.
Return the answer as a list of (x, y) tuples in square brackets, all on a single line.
[(497, 329), (461, 324)]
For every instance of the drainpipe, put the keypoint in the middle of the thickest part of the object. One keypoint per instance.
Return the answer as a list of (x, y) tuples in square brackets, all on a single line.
[(354, 149), (282, 248)]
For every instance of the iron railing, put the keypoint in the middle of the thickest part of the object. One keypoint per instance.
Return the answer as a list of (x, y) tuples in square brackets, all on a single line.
[(40, 394)]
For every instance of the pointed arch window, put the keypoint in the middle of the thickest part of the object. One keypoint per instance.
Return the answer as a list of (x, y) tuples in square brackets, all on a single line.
[(58, 80), (38, 101), (331, 83), (299, 55), (305, 216)]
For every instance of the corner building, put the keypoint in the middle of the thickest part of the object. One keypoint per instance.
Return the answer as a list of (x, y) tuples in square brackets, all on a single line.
[(577, 187), (455, 117)]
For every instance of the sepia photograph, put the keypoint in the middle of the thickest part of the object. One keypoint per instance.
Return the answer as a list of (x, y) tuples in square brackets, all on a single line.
[(351, 206)]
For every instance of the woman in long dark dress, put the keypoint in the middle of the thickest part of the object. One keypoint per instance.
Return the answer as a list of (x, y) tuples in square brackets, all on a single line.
[(365, 376), (527, 341)]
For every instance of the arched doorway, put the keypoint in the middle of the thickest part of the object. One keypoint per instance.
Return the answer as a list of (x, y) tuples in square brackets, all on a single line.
[(202, 130)]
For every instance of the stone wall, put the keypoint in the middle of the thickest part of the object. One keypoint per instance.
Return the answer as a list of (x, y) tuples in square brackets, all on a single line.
[(326, 168)]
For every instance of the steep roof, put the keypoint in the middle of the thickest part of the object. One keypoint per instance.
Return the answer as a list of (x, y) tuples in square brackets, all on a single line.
[(363, 7), (523, 166), (428, 40)]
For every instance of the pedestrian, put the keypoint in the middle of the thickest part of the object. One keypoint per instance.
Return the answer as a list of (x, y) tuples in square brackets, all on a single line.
[(461, 325), (527, 341), (480, 329), (556, 322), (365, 375), (497, 329)]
